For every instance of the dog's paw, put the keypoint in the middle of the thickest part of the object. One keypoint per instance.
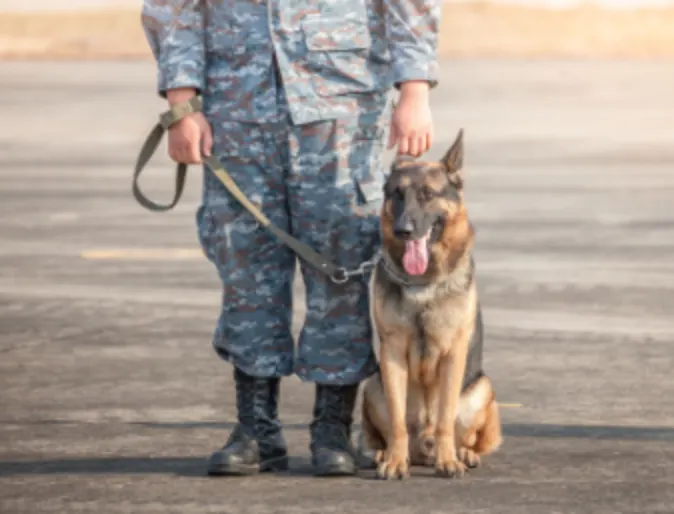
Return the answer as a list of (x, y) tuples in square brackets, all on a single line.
[(450, 468), (446, 462), (469, 458), (393, 465)]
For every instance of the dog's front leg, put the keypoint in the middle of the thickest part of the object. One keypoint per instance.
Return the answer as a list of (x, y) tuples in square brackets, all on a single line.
[(394, 374), (452, 368)]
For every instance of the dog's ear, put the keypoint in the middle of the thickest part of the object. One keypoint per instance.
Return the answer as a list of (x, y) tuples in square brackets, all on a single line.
[(453, 161)]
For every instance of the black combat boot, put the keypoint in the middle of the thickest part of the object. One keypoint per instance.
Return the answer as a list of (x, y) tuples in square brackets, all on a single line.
[(331, 451), (256, 444)]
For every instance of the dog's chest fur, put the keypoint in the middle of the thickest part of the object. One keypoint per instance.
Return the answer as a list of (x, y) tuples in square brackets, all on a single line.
[(436, 318), (432, 313)]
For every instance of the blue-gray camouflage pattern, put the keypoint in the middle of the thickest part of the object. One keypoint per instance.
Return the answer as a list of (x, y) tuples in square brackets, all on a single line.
[(297, 94), (329, 52), (321, 182)]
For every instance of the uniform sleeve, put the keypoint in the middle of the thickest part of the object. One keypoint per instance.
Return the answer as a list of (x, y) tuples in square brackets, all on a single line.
[(413, 27), (175, 32)]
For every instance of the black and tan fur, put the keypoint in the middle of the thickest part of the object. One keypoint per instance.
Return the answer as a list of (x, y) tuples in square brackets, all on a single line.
[(431, 403)]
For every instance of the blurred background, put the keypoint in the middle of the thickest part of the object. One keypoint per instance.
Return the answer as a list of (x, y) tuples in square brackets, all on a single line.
[(471, 28)]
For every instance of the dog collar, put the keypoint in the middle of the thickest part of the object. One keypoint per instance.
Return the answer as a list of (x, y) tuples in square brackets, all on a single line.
[(400, 277)]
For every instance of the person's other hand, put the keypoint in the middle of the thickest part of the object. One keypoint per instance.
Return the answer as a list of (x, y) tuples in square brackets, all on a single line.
[(412, 124)]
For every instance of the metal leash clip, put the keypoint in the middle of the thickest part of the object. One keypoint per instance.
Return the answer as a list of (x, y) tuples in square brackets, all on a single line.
[(342, 275)]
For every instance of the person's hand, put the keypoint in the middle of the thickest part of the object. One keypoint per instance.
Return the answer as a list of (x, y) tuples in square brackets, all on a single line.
[(412, 123), (190, 137)]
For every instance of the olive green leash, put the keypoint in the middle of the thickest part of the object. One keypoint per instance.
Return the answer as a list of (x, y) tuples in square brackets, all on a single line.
[(337, 274)]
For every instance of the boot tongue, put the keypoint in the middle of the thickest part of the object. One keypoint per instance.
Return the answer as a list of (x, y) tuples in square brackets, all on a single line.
[(415, 260)]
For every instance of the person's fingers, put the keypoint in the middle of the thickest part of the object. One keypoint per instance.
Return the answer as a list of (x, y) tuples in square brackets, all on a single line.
[(429, 140), (182, 150), (421, 142), (172, 152), (413, 145), (194, 149), (421, 145), (207, 141), (176, 144), (403, 145)]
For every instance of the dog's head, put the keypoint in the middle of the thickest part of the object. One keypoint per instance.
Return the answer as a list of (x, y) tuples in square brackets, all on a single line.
[(425, 227)]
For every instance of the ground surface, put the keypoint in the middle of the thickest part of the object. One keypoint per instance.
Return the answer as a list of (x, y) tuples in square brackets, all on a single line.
[(111, 397)]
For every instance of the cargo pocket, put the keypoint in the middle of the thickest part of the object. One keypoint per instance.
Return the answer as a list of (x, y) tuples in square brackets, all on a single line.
[(369, 175), (367, 163), (338, 56), (369, 180), (225, 228)]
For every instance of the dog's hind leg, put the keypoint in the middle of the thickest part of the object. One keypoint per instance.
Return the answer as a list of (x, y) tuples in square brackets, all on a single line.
[(490, 437), (478, 423), (374, 419)]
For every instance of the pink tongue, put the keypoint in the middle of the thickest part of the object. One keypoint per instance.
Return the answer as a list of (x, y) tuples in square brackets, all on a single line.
[(415, 259)]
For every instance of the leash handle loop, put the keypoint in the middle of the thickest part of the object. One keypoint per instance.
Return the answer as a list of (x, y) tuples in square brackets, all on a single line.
[(166, 120)]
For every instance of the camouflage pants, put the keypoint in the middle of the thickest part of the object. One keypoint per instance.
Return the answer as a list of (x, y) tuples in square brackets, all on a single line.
[(321, 182)]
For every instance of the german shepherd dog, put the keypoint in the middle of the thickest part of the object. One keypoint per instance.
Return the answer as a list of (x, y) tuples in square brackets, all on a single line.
[(431, 403)]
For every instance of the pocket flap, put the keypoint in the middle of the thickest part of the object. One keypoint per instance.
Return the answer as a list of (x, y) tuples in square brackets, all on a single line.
[(333, 34)]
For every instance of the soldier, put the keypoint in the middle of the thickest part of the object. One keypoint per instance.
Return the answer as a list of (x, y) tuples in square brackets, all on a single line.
[(296, 107)]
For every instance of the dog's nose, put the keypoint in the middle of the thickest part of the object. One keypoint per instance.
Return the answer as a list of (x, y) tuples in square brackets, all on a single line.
[(403, 228)]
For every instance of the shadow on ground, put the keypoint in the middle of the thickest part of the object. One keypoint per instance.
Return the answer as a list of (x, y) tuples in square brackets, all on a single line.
[(543, 430), (194, 466)]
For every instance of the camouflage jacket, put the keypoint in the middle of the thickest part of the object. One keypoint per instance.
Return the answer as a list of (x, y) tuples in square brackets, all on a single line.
[(331, 54)]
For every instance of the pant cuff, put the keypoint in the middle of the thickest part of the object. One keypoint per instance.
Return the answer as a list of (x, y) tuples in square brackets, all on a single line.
[(350, 377), (276, 368)]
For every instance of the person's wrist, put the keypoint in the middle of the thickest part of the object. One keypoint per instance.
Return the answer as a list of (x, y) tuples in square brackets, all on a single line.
[(180, 95), (414, 89)]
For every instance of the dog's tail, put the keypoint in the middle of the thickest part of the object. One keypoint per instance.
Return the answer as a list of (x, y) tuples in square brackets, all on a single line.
[(372, 438)]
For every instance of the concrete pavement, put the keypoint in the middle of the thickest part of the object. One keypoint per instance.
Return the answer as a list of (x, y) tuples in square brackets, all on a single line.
[(111, 397)]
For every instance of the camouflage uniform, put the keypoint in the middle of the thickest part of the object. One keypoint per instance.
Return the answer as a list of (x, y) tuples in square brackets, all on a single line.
[(297, 94)]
